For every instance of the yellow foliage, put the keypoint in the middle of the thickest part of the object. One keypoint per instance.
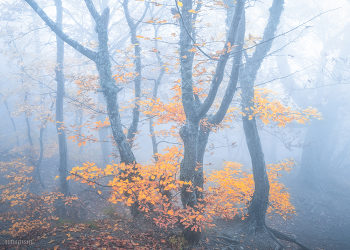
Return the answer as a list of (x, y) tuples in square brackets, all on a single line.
[(272, 110), (30, 212), (155, 187), (231, 190)]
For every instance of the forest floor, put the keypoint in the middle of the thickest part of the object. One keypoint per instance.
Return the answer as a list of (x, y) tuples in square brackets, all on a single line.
[(322, 222)]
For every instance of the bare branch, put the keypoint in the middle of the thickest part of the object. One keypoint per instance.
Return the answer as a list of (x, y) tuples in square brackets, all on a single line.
[(96, 16), (74, 44)]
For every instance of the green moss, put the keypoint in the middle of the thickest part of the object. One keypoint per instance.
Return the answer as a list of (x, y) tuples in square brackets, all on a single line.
[(179, 242), (62, 222), (92, 224)]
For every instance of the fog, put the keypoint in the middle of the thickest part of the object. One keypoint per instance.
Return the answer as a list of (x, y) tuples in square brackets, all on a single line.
[(177, 91)]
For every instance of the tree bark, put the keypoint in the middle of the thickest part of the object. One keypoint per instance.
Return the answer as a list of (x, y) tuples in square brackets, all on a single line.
[(137, 80), (41, 154), (62, 140), (102, 132), (103, 135), (81, 114), (195, 140), (41, 144), (107, 83), (157, 82), (203, 136), (27, 122), (258, 205), (189, 131), (216, 119), (13, 123)]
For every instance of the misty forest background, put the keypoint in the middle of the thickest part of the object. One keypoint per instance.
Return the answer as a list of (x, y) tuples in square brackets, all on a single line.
[(126, 112)]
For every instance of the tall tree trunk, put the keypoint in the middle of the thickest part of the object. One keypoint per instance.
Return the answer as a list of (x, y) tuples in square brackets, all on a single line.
[(109, 87), (103, 135), (214, 120), (41, 154), (138, 69), (157, 82), (153, 139), (203, 136), (189, 131), (80, 123), (341, 156), (41, 144), (28, 131), (258, 205), (103, 132), (27, 122), (13, 123), (230, 10), (217, 118), (62, 140), (195, 110)]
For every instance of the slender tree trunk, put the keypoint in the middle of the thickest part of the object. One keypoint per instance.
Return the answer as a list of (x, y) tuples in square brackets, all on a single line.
[(110, 89), (41, 144), (103, 132), (258, 205), (103, 135), (214, 120), (13, 123), (28, 132), (36, 33), (341, 156), (189, 131), (157, 82), (194, 110), (151, 128), (80, 123), (138, 69), (202, 142), (230, 10), (41, 154), (153, 139), (28, 123), (62, 140)]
